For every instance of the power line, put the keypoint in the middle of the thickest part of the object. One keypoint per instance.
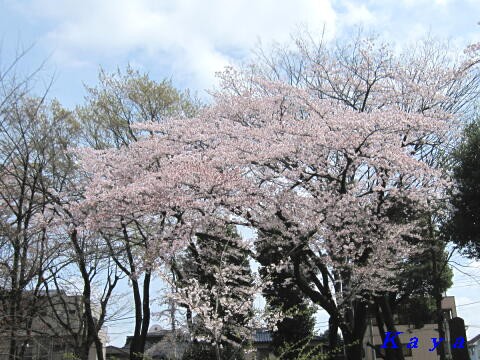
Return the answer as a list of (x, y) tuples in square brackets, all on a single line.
[(475, 302), (464, 286)]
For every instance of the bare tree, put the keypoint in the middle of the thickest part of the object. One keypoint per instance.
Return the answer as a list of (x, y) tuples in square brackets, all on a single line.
[(90, 295), (33, 141)]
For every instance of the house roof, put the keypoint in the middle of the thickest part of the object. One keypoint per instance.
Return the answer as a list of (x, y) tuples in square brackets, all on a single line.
[(265, 336), (113, 350), (259, 336), (473, 340), (262, 336)]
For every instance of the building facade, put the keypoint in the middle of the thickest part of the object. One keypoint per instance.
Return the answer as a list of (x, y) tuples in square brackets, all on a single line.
[(372, 340), (474, 348), (52, 330)]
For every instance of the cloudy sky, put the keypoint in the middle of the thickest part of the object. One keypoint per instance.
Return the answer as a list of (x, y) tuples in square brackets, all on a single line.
[(188, 41)]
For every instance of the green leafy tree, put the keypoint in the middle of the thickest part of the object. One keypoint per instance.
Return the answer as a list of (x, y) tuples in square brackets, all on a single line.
[(295, 330), (417, 285), (126, 98), (113, 108), (422, 279), (464, 226)]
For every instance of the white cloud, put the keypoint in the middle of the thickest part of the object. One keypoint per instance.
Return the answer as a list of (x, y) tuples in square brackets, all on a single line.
[(358, 14), (422, 3), (190, 40), (199, 36)]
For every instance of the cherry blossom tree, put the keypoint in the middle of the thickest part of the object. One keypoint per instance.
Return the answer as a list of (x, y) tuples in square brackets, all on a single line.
[(108, 118), (313, 182), (362, 75), (328, 175)]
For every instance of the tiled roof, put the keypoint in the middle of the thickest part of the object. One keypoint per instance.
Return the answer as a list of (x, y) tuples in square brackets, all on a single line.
[(113, 350), (265, 336), (473, 340), (262, 336)]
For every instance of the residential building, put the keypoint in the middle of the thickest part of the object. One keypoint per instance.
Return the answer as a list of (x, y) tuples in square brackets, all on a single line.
[(159, 344), (55, 330), (164, 344), (424, 335), (262, 346), (474, 348)]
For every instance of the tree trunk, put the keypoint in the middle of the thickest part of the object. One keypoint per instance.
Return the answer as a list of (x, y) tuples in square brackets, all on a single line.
[(189, 319), (142, 317), (384, 306), (388, 353), (437, 294), (13, 316), (91, 326), (440, 323), (83, 352), (135, 344), (217, 351), (87, 296), (353, 331), (353, 348), (13, 344), (99, 348), (146, 310), (15, 298), (332, 337)]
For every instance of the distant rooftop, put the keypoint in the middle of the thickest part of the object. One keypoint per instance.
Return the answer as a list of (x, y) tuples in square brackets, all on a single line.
[(473, 340), (265, 336), (262, 336)]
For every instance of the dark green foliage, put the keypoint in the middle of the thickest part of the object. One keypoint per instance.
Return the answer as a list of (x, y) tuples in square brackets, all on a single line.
[(425, 273), (417, 311), (294, 331), (464, 226), (417, 278)]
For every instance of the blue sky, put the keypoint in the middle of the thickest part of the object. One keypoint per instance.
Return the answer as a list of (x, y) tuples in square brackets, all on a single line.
[(188, 41)]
